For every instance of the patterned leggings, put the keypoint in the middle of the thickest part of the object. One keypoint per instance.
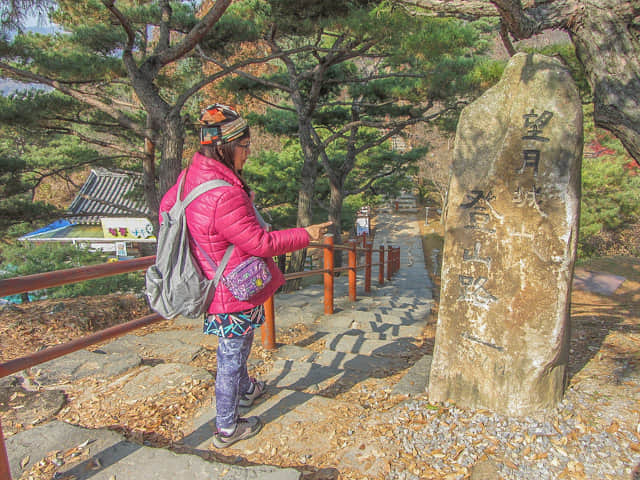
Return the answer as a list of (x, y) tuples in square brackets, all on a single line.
[(232, 378)]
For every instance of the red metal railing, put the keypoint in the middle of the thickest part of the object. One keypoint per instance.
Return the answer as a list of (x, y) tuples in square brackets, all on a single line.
[(40, 281)]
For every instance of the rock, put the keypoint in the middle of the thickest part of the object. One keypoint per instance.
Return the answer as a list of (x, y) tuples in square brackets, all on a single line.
[(20, 407), (157, 345), (415, 381), (510, 242), (82, 364), (486, 470), (151, 381), (106, 455)]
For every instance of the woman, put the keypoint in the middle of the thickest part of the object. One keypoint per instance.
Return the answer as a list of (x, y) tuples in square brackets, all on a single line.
[(216, 219)]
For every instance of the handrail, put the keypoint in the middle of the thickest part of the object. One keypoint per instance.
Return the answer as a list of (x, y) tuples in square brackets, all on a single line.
[(28, 361), (38, 281), (16, 285)]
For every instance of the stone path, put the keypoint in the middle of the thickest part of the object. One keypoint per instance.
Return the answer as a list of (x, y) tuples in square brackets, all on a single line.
[(597, 282), (375, 337)]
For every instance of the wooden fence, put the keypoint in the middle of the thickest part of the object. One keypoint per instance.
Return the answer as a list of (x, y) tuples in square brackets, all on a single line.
[(389, 256)]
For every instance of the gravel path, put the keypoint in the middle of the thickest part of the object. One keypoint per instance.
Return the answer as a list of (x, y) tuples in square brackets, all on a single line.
[(449, 441)]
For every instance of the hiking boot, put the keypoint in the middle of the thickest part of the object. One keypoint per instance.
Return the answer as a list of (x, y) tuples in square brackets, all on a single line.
[(257, 388), (245, 428)]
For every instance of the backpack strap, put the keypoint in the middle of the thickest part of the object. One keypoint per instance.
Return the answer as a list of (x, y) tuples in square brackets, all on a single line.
[(193, 194), (219, 270), (200, 189)]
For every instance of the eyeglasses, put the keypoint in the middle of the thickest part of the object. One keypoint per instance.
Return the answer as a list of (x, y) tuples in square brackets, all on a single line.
[(246, 145)]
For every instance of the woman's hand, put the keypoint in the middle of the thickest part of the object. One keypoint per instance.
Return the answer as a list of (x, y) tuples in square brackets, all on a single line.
[(318, 230)]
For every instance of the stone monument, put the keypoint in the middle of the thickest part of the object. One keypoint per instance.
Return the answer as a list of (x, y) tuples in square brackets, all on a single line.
[(511, 226)]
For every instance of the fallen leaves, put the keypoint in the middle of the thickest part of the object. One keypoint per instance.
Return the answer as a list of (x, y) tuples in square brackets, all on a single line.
[(28, 328), (50, 465), (158, 420)]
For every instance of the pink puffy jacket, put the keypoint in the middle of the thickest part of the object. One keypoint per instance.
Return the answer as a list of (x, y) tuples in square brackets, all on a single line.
[(225, 215)]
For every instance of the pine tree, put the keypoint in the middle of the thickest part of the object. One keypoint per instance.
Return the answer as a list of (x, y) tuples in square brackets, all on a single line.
[(341, 88), (123, 66)]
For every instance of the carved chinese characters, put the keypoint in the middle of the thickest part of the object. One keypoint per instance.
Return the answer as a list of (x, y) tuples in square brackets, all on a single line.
[(511, 231)]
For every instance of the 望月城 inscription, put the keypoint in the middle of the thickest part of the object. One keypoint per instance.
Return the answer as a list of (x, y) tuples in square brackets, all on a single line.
[(511, 228)]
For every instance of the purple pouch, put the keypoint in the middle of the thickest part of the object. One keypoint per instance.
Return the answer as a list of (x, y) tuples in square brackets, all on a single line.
[(248, 278)]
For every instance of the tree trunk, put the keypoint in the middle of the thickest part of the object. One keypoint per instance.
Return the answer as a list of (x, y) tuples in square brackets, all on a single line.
[(305, 197), (610, 54), (605, 35), (172, 147), (607, 47), (149, 181), (335, 214)]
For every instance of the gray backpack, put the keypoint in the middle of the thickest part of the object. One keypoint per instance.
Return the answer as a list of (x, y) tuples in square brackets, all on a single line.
[(175, 284)]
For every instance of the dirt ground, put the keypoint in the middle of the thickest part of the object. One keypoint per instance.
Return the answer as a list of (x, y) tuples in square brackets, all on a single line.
[(604, 362)]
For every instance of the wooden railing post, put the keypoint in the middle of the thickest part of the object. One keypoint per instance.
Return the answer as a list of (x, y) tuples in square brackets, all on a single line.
[(395, 260), (353, 263), (396, 250), (328, 274), (389, 262), (364, 239), (269, 327), (367, 268), (5, 469), (381, 268)]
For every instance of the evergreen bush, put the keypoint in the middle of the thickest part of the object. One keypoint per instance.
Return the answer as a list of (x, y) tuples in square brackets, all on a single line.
[(19, 259)]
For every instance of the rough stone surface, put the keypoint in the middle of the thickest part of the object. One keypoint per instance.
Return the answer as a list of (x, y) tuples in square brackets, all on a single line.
[(20, 407), (415, 381), (486, 470), (155, 346), (111, 456), (82, 364), (511, 232), (150, 381)]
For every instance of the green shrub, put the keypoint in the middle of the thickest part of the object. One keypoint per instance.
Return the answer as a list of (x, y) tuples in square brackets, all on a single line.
[(21, 259)]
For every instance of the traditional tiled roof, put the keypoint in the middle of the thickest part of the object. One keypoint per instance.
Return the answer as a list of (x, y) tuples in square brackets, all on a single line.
[(104, 194)]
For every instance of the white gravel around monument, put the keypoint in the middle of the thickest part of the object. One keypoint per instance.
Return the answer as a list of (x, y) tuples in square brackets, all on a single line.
[(448, 442)]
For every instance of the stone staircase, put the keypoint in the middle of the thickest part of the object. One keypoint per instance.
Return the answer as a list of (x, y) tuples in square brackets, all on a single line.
[(405, 203), (369, 344)]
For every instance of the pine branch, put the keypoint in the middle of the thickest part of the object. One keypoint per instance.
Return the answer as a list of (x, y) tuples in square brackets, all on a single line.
[(197, 33), (105, 144), (377, 77), (79, 121), (60, 172), (506, 41), (373, 178), (165, 35), (523, 22), (124, 22), (464, 9), (252, 61), (118, 116), (271, 104)]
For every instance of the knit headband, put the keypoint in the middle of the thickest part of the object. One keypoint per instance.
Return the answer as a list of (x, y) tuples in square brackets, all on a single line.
[(221, 124)]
